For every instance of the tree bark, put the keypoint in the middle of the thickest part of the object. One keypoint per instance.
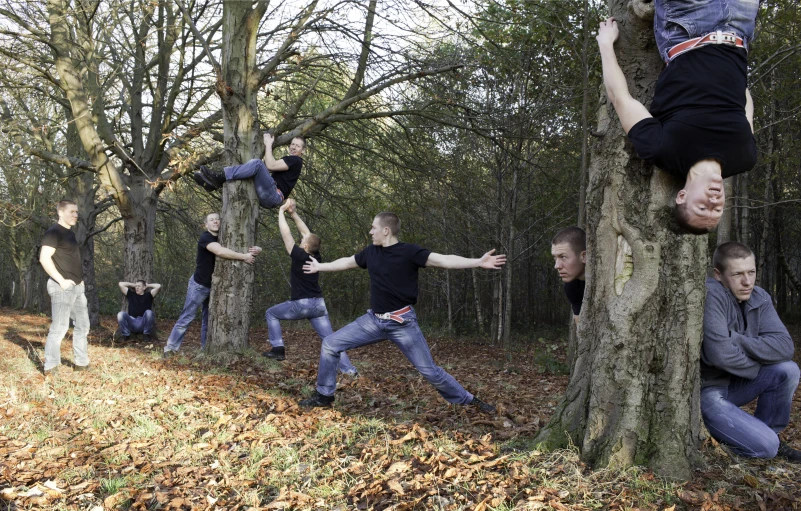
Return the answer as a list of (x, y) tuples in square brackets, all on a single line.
[(633, 396), (232, 282), (726, 223)]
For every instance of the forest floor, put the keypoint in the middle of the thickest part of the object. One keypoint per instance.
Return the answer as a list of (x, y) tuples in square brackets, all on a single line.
[(137, 432)]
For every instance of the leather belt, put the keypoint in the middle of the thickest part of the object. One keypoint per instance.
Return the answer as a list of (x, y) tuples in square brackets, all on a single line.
[(395, 315), (712, 38)]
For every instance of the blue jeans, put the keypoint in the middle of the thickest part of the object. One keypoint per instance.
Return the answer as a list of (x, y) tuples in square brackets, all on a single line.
[(269, 196), (136, 325), (675, 21), (67, 304), (312, 309), (196, 296), (751, 435), (407, 336)]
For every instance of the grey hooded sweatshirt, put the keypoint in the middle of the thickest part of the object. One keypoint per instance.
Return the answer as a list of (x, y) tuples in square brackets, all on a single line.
[(735, 347)]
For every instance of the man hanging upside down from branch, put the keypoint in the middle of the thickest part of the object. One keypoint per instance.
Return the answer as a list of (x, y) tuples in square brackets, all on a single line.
[(700, 124)]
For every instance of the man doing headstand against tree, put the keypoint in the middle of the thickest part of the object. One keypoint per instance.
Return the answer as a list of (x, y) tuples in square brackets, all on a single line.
[(140, 318), (746, 354), (569, 251), (274, 179), (197, 294), (393, 267), (306, 296), (700, 124), (61, 259)]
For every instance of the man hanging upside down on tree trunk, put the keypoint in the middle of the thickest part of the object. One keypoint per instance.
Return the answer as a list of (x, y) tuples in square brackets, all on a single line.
[(700, 124)]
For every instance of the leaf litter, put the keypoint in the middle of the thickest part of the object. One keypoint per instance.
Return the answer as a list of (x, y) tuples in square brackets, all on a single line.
[(136, 432)]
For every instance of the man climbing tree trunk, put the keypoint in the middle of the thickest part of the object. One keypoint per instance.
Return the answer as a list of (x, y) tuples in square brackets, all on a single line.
[(633, 396)]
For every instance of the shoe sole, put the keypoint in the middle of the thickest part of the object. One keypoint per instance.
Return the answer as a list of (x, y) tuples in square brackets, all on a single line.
[(209, 179)]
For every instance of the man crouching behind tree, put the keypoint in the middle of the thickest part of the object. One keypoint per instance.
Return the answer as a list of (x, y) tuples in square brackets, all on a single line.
[(746, 355), (140, 318)]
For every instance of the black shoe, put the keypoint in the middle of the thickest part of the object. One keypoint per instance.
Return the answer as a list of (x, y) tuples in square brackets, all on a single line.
[(81, 368), (482, 406), (168, 353), (213, 177), (151, 337), (276, 353), (788, 453), (317, 400), (198, 177)]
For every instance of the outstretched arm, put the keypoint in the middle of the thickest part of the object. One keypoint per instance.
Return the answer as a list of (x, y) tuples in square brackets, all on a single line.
[(286, 234), (629, 110), (299, 223), (455, 262), (226, 253), (344, 263), (272, 164)]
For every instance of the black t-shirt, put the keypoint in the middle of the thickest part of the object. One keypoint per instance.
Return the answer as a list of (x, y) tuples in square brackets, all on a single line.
[(204, 263), (699, 113), (285, 180), (138, 304), (67, 257), (393, 274), (304, 285), (574, 290)]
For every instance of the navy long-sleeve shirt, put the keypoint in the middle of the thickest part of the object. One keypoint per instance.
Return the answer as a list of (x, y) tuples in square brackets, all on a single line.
[(737, 345)]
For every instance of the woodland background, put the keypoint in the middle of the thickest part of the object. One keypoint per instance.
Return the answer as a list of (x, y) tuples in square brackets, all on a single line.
[(488, 154)]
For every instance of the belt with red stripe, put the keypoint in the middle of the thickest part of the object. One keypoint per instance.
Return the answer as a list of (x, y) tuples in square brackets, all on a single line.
[(713, 38), (395, 315)]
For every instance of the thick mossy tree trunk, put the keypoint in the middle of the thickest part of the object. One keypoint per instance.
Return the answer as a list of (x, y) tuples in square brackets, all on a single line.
[(633, 396), (232, 283)]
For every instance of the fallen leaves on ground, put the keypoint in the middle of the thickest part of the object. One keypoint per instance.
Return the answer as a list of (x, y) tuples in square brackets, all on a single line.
[(137, 432)]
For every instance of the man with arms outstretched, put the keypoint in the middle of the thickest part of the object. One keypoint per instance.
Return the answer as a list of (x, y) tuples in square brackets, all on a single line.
[(60, 257), (746, 354), (700, 124), (274, 179), (140, 318), (306, 296), (393, 267), (199, 289), (569, 251)]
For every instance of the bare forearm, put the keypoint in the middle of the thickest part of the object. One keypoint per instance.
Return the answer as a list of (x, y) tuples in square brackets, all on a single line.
[(227, 253), (614, 79), (300, 224), (344, 263), (452, 262)]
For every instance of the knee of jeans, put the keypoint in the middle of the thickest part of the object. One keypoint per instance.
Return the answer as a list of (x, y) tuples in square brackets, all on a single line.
[(791, 372), (766, 446), (328, 346), (149, 314), (120, 317)]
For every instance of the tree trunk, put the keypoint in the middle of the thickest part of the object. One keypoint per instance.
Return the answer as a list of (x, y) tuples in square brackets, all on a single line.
[(232, 282), (633, 396), (139, 229), (477, 300), (745, 205), (724, 229), (585, 102)]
